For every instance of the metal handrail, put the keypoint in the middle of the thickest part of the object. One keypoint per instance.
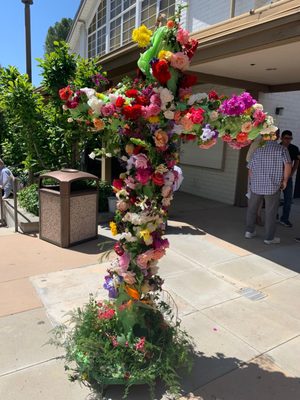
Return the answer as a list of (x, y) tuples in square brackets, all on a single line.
[(1, 209)]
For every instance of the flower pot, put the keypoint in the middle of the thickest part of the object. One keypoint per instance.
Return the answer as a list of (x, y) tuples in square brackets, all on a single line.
[(112, 203)]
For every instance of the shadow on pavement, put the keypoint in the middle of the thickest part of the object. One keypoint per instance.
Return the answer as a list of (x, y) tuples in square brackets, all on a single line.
[(223, 378)]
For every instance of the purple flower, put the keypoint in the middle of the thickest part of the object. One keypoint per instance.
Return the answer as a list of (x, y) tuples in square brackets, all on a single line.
[(109, 285), (237, 105), (247, 99)]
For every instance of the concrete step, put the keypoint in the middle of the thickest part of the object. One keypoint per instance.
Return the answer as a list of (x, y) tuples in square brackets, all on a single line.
[(27, 222)]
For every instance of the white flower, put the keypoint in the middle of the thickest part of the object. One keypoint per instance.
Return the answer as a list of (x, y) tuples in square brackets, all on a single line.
[(92, 155), (169, 178), (169, 114), (207, 134), (113, 98), (268, 130), (95, 104), (70, 119), (166, 95), (124, 158), (258, 106), (64, 107), (108, 155), (89, 92), (128, 237), (270, 120), (196, 98)]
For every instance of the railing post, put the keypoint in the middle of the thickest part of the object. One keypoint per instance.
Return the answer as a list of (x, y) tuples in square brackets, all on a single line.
[(1, 209), (15, 188)]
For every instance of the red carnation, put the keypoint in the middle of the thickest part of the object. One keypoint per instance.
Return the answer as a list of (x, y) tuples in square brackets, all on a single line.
[(120, 101), (161, 72), (158, 179), (117, 184), (132, 112), (65, 93), (131, 93), (188, 81), (142, 100), (213, 95)]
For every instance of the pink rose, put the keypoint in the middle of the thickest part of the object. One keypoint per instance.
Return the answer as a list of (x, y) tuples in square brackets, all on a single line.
[(143, 176), (197, 115), (108, 110), (161, 139), (155, 99), (182, 36), (141, 161), (180, 61)]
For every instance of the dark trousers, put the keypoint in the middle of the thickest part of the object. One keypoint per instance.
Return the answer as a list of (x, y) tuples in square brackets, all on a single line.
[(271, 207), (288, 198)]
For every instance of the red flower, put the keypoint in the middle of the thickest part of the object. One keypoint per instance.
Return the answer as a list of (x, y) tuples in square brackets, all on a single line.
[(142, 100), (161, 72), (132, 112), (227, 138), (72, 103), (131, 93), (120, 101), (158, 179), (65, 93), (213, 95), (242, 137), (118, 249), (188, 81), (138, 149), (191, 47), (117, 184)]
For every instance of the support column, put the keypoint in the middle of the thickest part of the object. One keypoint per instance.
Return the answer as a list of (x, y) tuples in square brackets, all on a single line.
[(106, 169)]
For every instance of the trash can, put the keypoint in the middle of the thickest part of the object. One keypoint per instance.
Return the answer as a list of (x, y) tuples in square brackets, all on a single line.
[(68, 207)]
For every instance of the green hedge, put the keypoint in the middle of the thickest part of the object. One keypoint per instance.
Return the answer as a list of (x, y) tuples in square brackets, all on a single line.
[(28, 198)]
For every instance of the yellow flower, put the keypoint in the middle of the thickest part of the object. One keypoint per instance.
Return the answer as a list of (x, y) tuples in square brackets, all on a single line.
[(142, 36), (154, 119), (165, 55), (113, 228), (146, 235)]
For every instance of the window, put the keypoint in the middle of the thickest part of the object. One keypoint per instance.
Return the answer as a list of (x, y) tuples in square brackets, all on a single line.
[(122, 18), (97, 32)]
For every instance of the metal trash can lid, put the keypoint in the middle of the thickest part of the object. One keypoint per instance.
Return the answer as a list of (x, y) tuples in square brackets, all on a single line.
[(68, 175)]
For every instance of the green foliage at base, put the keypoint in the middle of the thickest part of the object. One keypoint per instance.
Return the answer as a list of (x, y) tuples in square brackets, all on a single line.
[(28, 198), (126, 341)]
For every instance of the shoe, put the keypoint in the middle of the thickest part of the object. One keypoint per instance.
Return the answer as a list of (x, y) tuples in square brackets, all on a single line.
[(287, 224), (297, 240), (276, 240), (250, 235)]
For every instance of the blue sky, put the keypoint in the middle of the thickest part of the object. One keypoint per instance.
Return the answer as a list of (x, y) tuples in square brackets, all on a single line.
[(44, 13)]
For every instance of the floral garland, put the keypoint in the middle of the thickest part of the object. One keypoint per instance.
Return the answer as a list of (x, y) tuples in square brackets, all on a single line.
[(143, 121)]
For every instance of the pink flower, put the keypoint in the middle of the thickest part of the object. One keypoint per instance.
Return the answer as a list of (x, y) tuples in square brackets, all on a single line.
[(259, 117), (129, 277), (180, 61), (141, 161), (158, 254), (161, 139), (185, 93), (140, 344), (130, 182), (144, 258), (108, 110), (182, 36), (155, 99), (143, 176), (124, 261)]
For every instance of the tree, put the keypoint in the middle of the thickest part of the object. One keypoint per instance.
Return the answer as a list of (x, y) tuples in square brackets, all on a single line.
[(56, 33)]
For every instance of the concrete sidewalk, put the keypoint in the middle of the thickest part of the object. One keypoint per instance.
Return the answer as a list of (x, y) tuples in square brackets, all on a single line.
[(238, 298)]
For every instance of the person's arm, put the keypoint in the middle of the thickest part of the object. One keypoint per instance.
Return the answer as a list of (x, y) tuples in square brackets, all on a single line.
[(295, 167), (286, 174)]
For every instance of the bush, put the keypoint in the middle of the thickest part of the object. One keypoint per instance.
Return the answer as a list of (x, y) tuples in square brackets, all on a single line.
[(28, 198)]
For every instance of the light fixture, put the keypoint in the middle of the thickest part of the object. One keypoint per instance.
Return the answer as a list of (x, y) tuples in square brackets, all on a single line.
[(279, 110), (271, 69)]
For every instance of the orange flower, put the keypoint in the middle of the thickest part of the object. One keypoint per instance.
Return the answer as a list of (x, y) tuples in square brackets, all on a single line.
[(98, 124), (132, 292), (170, 24)]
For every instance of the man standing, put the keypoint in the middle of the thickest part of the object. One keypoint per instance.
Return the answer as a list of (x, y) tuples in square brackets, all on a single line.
[(286, 138), (5, 180), (269, 169)]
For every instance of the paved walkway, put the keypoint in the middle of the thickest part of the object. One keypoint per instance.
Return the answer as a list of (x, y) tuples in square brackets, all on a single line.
[(238, 298)]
